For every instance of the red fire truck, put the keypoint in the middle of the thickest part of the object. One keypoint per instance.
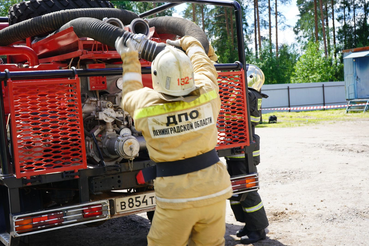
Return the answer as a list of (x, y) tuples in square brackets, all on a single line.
[(69, 153)]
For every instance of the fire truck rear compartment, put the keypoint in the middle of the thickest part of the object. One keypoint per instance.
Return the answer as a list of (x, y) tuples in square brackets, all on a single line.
[(65, 134)]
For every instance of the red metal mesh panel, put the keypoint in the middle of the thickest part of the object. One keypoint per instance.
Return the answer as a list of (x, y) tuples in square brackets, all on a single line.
[(232, 120), (47, 126)]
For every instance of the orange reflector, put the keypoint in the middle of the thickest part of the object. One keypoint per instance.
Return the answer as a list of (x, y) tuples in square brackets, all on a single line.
[(24, 228), (24, 224), (250, 182), (240, 184), (24, 221)]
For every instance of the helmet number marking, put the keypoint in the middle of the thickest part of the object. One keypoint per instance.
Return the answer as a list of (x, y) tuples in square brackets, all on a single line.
[(184, 81)]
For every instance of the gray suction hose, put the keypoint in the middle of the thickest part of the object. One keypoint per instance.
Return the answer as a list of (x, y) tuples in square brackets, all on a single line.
[(96, 29), (148, 50), (180, 27), (90, 25), (50, 22), (107, 34)]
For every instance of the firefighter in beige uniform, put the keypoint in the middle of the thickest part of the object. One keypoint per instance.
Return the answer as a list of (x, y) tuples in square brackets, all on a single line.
[(178, 120)]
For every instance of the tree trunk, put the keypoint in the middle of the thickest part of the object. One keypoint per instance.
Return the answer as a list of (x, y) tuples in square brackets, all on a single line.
[(259, 35), (323, 28), (344, 27), (334, 31), (194, 13), (327, 29), (232, 31), (316, 21), (154, 6), (255, 31), (365, 18), (353, 9), (276, 28), (365, 12), (270, 27), (226, 19), (202, 17)]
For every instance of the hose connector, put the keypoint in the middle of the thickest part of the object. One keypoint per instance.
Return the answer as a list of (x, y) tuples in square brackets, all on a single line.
[(139, 25), (114, 21), (139, 40), (146, 48)]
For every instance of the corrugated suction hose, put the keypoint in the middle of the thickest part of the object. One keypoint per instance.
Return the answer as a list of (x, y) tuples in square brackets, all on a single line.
[(48, 23), (107, 34), (100, 30)]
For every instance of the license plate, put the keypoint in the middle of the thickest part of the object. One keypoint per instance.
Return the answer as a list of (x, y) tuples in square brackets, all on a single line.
[(135, 202)]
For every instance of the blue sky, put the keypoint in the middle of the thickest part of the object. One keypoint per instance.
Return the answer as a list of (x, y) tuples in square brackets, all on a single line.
[(291, 13)]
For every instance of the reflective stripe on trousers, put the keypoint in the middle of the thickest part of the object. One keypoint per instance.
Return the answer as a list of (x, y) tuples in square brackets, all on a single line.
[(254, 208), (255, 119), (235, 202), (242, 156)]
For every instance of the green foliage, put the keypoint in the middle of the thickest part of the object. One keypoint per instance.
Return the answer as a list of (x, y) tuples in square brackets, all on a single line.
[(313, 66), (277, 70), (304, 28), (224, 43), (353, 31), (140, 7), (219, 24), (4, 6), (202, 13), (361, 32)]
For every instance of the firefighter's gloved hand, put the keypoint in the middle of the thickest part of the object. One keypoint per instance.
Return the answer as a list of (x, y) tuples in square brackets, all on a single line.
[(124, 48), (185, 42), (175, 43), (191, 45)]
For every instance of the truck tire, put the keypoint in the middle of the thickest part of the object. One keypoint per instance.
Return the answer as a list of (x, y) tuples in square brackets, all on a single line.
[(3, 199), (2, 218), (33, 8), (150, 215)]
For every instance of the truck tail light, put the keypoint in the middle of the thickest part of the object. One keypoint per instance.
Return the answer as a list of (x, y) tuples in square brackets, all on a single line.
[(92, 211), (245, 183), (55, 219), (38, 222), (24, 224)]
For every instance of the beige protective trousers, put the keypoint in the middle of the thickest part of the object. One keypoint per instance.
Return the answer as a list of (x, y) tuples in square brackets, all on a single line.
[(200, 226)]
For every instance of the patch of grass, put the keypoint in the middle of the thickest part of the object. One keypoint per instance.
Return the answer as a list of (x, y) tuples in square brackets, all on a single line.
[(295, 119)]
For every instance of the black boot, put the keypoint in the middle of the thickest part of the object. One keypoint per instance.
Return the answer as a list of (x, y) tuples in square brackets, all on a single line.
[(242, 232), (253, 237)]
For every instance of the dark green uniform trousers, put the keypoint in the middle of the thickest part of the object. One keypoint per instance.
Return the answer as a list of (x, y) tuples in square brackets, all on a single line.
[(251, 210)]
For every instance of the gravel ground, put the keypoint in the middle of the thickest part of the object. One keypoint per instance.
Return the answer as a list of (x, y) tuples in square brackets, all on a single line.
[(314, 185)]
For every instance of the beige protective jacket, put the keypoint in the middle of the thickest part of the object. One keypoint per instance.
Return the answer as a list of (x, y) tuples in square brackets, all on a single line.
[(179, 130)]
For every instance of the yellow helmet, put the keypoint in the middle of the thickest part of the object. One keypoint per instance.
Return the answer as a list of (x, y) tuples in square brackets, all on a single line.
[(172, 73), (255, 77)]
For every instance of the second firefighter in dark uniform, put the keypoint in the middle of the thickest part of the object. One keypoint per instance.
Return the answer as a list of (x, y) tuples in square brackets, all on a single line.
[(250, 210)]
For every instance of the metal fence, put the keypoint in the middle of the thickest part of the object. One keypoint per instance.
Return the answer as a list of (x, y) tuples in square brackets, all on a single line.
[(306, 96)]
